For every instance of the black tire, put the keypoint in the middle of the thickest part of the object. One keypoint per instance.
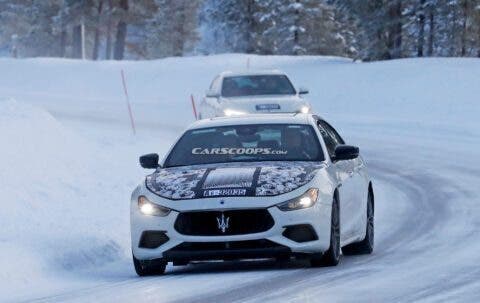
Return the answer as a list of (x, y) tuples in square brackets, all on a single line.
[(143, 269), (282, 259), (366, 245), (332, 256)]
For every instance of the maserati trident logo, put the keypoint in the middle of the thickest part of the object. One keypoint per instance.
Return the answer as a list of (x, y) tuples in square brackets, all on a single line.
[(223, 223)]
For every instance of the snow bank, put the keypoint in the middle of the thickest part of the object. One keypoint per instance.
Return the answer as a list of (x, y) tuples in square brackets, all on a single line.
[(55, 214)]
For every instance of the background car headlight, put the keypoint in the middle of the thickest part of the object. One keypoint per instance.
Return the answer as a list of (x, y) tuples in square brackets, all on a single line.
[(308, 199), (231, 112), (305, 109), (150, 209)]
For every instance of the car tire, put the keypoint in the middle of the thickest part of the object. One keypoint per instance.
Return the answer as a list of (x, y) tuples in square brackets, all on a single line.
[(332, 256), (142, 269), (366, 245), (282, 259)]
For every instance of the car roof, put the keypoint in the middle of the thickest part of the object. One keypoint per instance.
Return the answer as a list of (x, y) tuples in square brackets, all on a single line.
[(251, 73), (280, 118)]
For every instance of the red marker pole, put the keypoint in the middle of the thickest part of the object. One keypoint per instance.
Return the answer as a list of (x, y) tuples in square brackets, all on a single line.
[(193, 107), (132, 122)]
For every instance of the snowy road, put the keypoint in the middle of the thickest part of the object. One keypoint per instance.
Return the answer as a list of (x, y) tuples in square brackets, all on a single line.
[(426, 249), (421, 145)]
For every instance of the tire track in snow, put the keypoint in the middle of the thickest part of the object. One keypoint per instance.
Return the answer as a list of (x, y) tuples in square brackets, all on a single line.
[(415, 227), (295, 273)]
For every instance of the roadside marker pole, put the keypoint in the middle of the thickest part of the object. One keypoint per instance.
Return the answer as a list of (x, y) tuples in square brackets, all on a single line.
[(248, 63), (193, 107), (132, 122)]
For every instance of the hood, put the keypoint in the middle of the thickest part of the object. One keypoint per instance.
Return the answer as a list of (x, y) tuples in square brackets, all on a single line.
[(231, 179), (264, 104)]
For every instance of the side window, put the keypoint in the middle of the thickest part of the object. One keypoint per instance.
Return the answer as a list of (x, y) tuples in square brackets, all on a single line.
[(329, 141), (333, 133)]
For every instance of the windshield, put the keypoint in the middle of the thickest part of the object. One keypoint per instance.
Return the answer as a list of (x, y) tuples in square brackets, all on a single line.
[(257, 85), (246, 143)]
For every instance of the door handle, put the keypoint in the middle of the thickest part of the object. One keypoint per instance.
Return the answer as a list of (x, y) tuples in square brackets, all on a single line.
[(350, 173)]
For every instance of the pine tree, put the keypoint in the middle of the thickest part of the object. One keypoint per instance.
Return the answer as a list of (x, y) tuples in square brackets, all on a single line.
[(266, 39), (29, 22), (172, 30)]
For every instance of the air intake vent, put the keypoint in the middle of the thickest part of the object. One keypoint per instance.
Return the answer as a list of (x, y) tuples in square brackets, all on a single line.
[(153, 239), (300, 233)]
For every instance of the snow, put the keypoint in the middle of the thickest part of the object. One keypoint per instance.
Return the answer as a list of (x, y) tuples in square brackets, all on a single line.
[(68, 164), (48, 199)]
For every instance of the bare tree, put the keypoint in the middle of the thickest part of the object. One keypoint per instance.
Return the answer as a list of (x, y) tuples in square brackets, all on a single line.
[(118, 52), (463, 50), (394, 42), (77, 42), (96, 42), (108, 46), (431, 32), (421, 29)]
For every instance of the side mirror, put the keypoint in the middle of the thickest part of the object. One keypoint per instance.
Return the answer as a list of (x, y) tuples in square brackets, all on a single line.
[(303, 91), (212, 94), (149, 161), (346, 152)]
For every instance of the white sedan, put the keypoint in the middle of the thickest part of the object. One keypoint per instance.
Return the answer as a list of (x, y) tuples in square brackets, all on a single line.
[(257, 186), (232, 94)]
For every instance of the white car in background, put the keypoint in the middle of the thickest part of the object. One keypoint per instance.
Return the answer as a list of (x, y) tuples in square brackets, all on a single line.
[(256, 186), (233, 94)]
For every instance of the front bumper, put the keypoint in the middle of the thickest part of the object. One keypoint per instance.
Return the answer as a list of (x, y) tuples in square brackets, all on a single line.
[(270, 243), (200, 251)]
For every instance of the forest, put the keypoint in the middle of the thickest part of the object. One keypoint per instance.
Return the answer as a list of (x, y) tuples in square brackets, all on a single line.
[(365, 30)]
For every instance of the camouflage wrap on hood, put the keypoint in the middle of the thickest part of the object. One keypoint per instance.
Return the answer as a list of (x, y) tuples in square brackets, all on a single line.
[(231, 179)]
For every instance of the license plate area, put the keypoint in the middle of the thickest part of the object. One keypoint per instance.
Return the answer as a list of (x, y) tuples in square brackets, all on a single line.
[(267, 107)]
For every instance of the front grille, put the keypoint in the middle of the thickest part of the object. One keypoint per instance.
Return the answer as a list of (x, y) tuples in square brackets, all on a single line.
[(235, 222)]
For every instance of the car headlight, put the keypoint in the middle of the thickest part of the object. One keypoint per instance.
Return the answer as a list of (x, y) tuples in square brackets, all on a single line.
[(150, 209), (231, 112), (305, 109), (308, 199)]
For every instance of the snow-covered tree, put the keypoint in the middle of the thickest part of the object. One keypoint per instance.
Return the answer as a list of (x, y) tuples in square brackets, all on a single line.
[(29, 23), (230, 24), (370, 30), (278, 27), (172, 30)]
